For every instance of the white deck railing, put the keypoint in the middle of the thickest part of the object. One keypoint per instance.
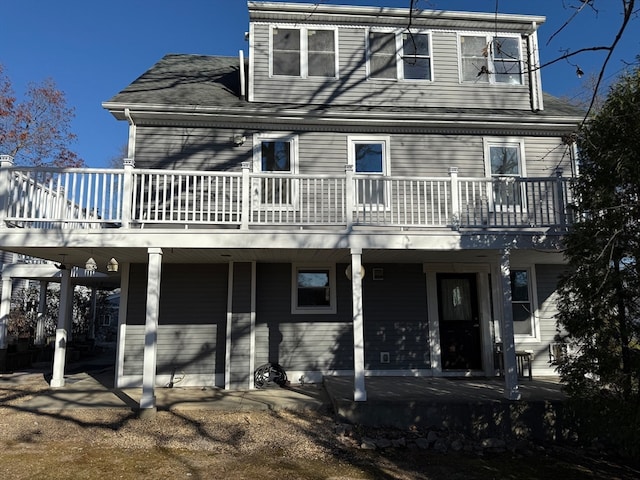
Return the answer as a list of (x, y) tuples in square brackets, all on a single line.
[(108, 198)]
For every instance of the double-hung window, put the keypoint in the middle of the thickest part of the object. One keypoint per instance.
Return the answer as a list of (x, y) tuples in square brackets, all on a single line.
[(303, 52), (276, 156), (314, 289), (490, 59), (399, 55), (522, 307), (505, 166), (370, 159)]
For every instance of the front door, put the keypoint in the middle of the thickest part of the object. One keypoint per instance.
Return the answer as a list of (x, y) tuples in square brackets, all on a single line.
[(459, 321)]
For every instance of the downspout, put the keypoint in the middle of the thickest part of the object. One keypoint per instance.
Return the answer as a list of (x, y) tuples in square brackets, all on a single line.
[(242, 76), (131, 144), (533, 67)]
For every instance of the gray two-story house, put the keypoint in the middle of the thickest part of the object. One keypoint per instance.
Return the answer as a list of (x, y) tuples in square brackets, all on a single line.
[(368, 192)]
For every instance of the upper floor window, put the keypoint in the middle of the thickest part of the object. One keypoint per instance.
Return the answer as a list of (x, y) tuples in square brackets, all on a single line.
[(276, 156), (490, 59), (303, 52), (399, 55), (505, 165), (370, 158)]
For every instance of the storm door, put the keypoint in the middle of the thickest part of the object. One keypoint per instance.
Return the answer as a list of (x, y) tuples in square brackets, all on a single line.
[(459, 321)]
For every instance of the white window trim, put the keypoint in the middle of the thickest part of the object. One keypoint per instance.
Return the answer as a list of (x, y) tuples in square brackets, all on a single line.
[(489, 142), (332, 308), (491, 76), (257, 168), (352, 140), (304, 50), (533, 301), (399, 52)]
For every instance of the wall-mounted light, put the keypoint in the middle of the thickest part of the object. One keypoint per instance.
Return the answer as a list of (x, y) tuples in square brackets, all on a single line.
[(579, 72), (112, 266), (239, 140), (91, 265), (348, 272)]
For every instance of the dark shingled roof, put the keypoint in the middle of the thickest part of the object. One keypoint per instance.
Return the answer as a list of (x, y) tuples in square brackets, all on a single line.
[(186, 80), (212, 81)]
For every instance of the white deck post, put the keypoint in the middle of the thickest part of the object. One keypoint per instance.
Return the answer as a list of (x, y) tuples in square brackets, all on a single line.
[(246, 195), (359, 391), (350, 194), (148, 399), (60, 352), (512, 391), (42, 309), (6, 161), (455, 197), (127, 192)]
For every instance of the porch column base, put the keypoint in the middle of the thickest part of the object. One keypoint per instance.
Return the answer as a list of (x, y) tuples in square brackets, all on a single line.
[(513, 393)]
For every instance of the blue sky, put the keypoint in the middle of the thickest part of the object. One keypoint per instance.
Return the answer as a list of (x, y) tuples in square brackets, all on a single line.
[(94, 49)]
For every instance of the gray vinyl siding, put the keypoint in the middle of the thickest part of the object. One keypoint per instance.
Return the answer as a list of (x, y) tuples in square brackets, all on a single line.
[(301, 342), (326, 153), (547, 277), (182, 350), (240, 326), (184, 148), (396, 322), (352, 87), (192, 318), (395, 312)]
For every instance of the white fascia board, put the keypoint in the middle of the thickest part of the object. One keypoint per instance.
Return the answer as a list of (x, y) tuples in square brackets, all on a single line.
[(306, 119), (317, 12)]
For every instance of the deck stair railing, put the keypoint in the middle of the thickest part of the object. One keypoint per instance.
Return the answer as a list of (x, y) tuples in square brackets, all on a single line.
[(87, 198)]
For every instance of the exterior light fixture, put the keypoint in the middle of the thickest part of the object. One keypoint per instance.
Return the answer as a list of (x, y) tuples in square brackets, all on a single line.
[(579, 72), (91, 265), (112, 266), (348, 273), (239, 140)]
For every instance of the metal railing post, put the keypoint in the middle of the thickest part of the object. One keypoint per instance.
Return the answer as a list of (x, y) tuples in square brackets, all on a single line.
[(127, 192)]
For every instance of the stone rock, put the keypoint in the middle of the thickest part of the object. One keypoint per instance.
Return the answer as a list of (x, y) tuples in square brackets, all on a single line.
[(399, 442), (440, 446), (432, 437), (422, 443), (368, 444), (496, 443), (457, 445), (383, 443)]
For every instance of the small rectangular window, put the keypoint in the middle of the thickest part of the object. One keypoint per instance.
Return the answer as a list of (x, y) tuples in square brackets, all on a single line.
[(490, 59), (313, 289), (286, 51), (382, 55), (321, 53), (506, 60), (521, 303), (416, 61)]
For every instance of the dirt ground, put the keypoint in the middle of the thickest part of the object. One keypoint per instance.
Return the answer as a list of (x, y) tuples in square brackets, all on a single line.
[(199, 444)]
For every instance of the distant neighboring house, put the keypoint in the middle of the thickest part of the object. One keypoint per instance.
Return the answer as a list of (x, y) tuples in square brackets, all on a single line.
[(363, 195)]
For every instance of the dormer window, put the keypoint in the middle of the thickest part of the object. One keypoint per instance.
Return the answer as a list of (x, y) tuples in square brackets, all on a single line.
[(399, 55), (303, 52), (490, 59)]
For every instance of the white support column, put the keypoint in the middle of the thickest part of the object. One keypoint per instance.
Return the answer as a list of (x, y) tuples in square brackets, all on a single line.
[(227, 348), (148, 399), (69, 317), (122, 324), (42, 310), (512, 391), (5, 308), (60, 352), (359, 391)]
